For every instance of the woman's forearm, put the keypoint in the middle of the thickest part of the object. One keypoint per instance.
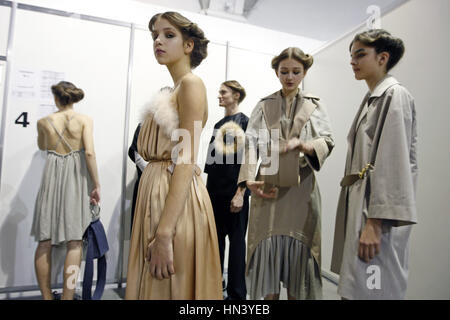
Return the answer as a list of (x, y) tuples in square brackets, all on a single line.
[(176, 199), (91, 164)]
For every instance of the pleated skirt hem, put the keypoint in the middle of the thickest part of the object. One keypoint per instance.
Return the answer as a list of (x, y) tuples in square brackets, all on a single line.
[(283, 259)]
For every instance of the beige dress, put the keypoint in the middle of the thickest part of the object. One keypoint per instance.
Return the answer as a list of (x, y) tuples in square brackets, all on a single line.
[(195, 247)]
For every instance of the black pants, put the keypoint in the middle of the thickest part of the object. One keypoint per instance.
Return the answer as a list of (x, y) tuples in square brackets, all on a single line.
[(133, 202), (233, 225)]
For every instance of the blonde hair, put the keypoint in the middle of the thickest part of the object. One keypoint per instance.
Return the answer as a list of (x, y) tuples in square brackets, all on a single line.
[(236, 87), (294, 53), (189, 30)]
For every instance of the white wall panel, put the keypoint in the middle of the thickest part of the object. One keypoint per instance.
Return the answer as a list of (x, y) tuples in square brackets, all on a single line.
[(93, 56), (4, 28), (254, 72)]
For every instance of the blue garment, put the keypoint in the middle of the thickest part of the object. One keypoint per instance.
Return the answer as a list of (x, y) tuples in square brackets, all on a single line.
[(97, 246)]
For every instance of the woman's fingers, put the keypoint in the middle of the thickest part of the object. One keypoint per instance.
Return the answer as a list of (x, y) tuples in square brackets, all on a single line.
[(367, 252), (171, 269)]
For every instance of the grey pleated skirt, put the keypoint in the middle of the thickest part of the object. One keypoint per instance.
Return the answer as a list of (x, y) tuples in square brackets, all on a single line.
[(287, 260), (62, 210)]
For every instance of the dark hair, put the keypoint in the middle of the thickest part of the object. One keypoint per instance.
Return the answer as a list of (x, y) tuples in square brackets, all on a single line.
[(67, 93), (382, 41), (236, 87), (295, 53), (189, 30)]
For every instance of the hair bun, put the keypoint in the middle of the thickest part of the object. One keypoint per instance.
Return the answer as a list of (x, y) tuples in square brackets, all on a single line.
[(67, 93)]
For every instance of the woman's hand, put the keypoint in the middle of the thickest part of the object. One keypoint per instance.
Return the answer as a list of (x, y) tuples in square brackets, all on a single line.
[(160, 257), (238, 200), (370, 240), (297, 144), (95, 196), (256, 187)]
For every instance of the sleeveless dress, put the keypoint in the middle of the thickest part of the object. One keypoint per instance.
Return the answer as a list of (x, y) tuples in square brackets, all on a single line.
[(62, 209), (195, 246)]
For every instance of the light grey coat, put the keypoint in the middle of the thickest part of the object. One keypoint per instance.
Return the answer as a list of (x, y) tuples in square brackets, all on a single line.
[(383, 134), (296, 210)]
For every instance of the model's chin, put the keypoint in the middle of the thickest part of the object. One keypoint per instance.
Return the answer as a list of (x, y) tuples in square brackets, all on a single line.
[(160, 60)]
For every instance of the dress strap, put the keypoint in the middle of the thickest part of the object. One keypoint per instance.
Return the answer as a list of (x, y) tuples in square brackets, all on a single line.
[(61, 137)]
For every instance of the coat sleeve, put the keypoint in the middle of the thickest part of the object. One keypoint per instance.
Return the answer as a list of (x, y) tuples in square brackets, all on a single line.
[(322, 137), (392, 183), (250, 158)]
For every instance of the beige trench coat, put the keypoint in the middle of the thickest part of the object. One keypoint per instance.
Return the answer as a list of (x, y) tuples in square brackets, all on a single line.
[(383, 134), (296, 210)]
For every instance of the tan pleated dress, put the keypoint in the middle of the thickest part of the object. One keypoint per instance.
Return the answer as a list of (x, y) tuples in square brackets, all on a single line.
[(195, 246)]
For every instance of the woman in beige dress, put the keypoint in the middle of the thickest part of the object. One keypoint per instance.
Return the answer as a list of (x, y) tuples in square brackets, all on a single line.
[(69, 185), (174, 252), (284, 227)]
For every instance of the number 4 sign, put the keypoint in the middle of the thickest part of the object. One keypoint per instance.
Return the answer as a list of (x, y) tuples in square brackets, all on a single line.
[(24, 122)]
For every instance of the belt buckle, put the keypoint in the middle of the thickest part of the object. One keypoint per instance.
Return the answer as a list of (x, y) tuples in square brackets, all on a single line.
[(363, 172)]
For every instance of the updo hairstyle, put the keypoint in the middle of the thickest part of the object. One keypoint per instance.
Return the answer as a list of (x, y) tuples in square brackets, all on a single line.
[(294, 53), (189, 30), (67, 93), (382, 41)]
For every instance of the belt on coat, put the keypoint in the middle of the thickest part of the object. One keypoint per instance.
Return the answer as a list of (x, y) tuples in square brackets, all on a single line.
[(350, 179)]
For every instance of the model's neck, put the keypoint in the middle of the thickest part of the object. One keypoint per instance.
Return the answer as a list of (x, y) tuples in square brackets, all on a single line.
[(289, 95), (67, 108), (231, 110), (178, 70), (372, 82)]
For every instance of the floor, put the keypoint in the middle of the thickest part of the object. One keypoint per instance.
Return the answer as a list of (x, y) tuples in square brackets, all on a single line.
[(113, 293)]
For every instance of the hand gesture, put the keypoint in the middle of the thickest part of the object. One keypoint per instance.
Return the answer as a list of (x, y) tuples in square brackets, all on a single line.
[(94, 197), (160, 258), (256, 187), (237, 202), (370, 240), (297, 144)]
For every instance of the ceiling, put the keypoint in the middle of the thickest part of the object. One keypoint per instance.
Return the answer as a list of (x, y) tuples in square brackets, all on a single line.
[(323, 20)]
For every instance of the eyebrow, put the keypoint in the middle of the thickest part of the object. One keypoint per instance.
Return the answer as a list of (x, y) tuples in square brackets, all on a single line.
[(358, 51), (295, 68), (165, 29)]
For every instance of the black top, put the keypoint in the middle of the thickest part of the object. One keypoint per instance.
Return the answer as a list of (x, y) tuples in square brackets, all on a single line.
[(133, 148), (223, 170)]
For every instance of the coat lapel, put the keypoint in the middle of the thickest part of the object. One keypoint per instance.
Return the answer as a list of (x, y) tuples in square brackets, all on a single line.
[(272, 110), (302, 114)]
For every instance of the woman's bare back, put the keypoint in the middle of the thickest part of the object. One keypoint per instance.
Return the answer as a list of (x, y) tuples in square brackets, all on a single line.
[(69, 125)]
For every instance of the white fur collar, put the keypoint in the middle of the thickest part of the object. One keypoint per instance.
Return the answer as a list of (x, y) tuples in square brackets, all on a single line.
[(163, 110), (233, 129)]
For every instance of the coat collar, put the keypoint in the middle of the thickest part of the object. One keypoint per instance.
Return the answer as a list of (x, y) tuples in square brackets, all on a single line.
[(387, 82), (272, 111)]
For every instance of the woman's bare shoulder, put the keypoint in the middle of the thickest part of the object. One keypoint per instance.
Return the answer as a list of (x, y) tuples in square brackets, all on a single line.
[(192, 80)]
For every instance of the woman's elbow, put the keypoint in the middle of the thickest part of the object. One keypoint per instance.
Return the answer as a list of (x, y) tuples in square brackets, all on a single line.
[(90, 154)]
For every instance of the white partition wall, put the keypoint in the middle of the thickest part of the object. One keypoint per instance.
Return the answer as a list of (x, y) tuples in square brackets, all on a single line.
[(423, 70), (49, 48), (4, 28), (212, 71), (5, 13), (254, 72)]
